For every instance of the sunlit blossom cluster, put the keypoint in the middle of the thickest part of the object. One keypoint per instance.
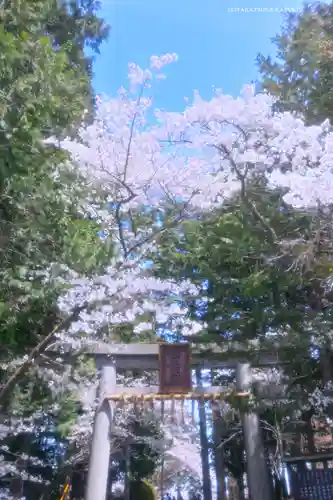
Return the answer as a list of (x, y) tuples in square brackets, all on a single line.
[(145, 155)]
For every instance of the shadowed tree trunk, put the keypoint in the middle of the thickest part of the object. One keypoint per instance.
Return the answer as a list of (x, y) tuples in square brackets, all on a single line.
[(206, 481)]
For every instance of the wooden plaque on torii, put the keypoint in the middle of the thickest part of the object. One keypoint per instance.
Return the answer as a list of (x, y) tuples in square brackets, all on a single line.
[(175, 368)]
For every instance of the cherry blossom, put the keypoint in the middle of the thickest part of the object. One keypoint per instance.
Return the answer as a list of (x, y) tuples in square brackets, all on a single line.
[(143, 156)]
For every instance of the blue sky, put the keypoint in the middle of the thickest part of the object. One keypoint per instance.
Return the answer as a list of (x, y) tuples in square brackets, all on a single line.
[(216, 47)]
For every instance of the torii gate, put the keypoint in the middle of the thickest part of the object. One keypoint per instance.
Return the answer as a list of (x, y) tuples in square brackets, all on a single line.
[(174, 365)]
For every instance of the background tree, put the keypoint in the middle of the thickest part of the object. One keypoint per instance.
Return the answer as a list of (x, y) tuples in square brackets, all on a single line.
[(72, 26), (45, 89), (301, 75), (41, 196), (257, 298)]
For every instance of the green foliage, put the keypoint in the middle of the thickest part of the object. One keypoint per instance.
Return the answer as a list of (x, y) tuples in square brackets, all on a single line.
[(229, 252), (124, 332), (301, 77), (142, 490), (92, 256), (43, 92), (45, 82), (69, 409), (69, 27), (144, 457), (257, 296)]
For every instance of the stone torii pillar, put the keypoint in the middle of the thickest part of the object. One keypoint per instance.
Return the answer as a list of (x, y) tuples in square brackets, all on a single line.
[(99, 459), (257, 468)]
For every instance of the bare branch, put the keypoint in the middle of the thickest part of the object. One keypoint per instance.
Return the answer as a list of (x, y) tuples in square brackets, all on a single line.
[(37, 351), (242, 178), (161, 230)]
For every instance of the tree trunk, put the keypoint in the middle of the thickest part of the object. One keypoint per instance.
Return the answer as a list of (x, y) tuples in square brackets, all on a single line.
[(218, 448), (241, 487), (206, 482), (326, 367), (307, 416), (218, 452)]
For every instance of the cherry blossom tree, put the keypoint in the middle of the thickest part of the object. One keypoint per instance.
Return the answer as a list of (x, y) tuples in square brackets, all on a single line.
[(148, 170), (176, 166)]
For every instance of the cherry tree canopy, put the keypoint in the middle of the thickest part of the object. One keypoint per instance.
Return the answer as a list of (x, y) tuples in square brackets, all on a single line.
[(153, 163)]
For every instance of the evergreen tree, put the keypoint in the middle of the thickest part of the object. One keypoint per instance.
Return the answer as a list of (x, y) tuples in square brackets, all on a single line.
[(258, 297), (72, 26), (301, 76), (45, 84)]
